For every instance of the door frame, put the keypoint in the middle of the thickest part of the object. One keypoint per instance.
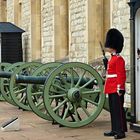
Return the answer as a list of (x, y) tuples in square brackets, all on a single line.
[(137, 62)]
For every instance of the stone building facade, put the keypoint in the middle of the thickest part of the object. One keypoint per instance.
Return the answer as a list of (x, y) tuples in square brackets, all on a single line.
[(67, 29), (120, 20)]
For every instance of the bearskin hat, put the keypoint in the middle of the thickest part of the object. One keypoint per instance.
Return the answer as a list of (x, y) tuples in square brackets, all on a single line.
[(114, 39)]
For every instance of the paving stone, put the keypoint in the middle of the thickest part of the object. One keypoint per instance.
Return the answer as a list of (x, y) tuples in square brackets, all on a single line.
[(35, 128)]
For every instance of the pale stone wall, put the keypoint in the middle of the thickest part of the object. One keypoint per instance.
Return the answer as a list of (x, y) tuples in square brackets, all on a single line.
[(10, 11), (47, 10), (26, 25), (78, 45), (120, 20), (61, 30), (36, 29), (88, 21), (0, 10), (3, 11), (98, 22)]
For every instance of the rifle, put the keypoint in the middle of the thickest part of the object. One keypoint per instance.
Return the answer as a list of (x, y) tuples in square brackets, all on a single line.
[(105, 60)]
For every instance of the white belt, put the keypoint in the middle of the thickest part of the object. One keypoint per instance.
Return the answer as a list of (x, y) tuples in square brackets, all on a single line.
[(111, 75)]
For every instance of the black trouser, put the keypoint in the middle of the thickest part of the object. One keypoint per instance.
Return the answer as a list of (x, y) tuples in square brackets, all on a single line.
[(118, 118)]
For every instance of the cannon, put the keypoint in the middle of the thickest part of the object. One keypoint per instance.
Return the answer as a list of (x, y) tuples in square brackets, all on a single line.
[(3, 66), (67, 99), (18, 90), (70, 94), (4, 82), (77, 104), (35, 91)]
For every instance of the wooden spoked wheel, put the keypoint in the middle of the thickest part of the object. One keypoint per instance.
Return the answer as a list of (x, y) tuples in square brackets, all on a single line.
[(79, 98), (3, 66), (5, 82), (18, 90), (35, 91)]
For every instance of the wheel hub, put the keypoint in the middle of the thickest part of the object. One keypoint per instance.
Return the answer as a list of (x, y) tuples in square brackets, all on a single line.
[(74, 95)]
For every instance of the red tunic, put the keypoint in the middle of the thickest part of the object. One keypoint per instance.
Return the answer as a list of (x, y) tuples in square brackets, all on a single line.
[(116, 75)]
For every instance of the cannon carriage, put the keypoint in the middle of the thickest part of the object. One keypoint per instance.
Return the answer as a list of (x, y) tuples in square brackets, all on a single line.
[(70, 94), (3, 66)]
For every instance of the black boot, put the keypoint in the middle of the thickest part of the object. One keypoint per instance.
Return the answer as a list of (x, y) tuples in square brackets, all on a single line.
[(109, 134), (119, 136)]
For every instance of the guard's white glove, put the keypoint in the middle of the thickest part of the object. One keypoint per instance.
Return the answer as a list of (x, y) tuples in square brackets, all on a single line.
[(120, 91)]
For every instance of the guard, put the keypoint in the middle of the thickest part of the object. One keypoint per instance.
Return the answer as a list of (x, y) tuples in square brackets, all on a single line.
[(115, 83)]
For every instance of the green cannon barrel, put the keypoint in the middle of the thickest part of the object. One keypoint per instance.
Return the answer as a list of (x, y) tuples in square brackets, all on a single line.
[(24, 79), (30, 79), (42, 79), (5, 74)]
